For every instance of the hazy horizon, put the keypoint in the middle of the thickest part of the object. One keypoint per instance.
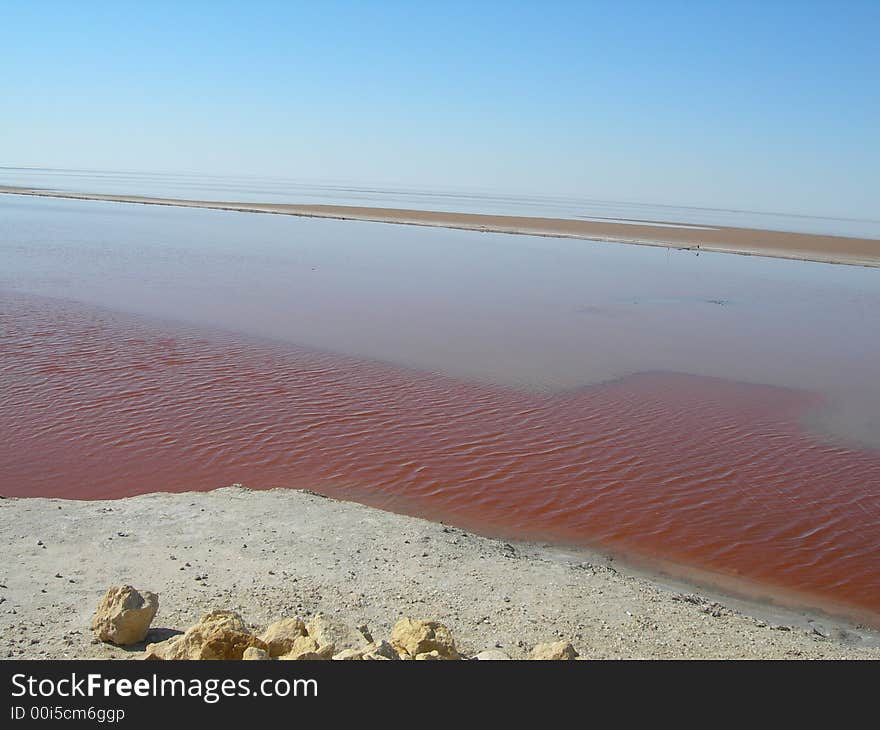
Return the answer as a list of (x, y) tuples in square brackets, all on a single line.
[(384, 194), (743, 106)]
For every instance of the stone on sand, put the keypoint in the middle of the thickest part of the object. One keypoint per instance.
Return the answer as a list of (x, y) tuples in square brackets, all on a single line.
[(218, 635), (414, 637), (554, 651), (124, 615)]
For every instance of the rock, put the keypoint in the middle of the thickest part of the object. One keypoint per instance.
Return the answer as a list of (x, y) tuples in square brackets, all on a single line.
[(554, 651), (306, 648), (349, 655), (166, 650), (375, 651), (218, 635), (225, 619), (414, 637), (379, 650), (492, 655), (429, 656), (326, 631), (224, 642), (254, 653), (279, 637), (124, 615)]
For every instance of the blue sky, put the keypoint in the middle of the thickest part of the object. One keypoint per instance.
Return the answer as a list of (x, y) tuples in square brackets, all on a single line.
[(766, 105)]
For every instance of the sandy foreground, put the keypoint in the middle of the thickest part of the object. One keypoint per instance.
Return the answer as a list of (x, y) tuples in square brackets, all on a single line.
[(281, 553), (749, 241)]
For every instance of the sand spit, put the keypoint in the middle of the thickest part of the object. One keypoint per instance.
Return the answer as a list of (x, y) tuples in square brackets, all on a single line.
[(277, 553), (720, 239)]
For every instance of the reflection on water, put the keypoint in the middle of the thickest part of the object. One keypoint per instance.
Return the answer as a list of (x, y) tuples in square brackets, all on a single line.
[(709, 410)]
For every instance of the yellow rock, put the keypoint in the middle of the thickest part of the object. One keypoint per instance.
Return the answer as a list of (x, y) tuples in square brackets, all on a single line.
[(429, 656), (124, 615), (376, 651), (253, 653), (169, 649), (414, 637), (218, 635), (554, 651), (327, 631), (223, 619), (349, 655), (492, 655), (306, 648), (279, 637), (380, 650), (227, 644)]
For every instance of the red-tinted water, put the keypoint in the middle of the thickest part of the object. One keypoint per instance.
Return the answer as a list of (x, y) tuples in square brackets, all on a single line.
[(699, 471)]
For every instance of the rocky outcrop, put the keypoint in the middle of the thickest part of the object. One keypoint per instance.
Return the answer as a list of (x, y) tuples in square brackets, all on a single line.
[(124, 615)]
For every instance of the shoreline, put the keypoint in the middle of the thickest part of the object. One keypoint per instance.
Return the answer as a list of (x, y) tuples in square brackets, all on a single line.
[(282, 552), (716, 239)]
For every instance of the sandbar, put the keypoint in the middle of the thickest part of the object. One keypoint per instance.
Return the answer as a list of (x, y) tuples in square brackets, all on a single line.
[(670, 234)]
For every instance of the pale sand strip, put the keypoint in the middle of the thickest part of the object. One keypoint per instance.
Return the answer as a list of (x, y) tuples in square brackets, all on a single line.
[(269, 554), (747, 241)]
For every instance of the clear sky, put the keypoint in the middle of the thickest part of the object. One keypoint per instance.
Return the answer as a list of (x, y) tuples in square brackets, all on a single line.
[(765, 105)]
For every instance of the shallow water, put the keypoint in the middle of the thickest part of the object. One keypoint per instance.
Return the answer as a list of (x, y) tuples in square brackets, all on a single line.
[(698, 471), (714, 411), (538, 314)]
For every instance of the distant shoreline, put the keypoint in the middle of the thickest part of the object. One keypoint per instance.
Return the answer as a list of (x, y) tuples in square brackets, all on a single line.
[(716, 239)]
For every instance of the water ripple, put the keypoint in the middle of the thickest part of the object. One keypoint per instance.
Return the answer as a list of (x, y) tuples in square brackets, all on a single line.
[(700, 471)]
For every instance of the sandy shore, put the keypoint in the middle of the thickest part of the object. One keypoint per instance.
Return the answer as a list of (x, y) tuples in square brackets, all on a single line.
[(748, 241), (270, 554)]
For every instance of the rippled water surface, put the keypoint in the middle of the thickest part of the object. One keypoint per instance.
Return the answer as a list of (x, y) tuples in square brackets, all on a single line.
[(717, 412)]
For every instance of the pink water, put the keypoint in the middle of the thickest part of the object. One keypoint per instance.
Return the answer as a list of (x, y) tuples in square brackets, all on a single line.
[(709, 473), (719, 414)]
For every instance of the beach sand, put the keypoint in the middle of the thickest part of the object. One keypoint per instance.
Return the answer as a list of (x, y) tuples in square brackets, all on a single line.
[(748, 241), (278, 553)]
